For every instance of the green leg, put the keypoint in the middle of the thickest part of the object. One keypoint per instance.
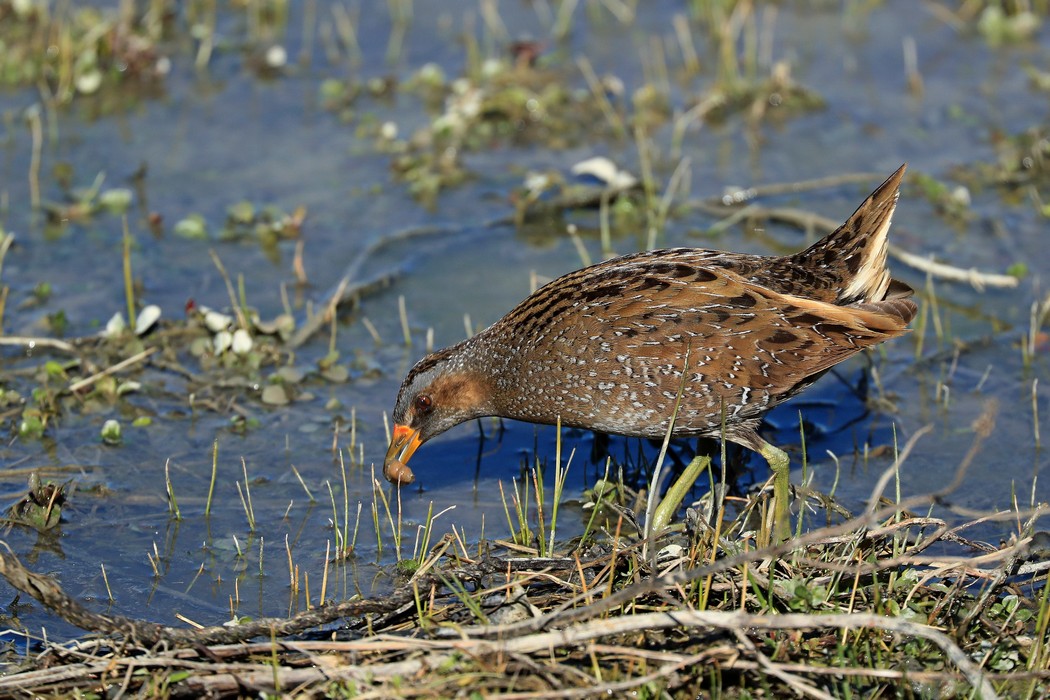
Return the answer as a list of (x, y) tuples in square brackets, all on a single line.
[(781, 466), (676, 494)]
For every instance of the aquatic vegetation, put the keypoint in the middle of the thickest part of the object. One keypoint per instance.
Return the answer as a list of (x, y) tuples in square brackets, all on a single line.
[(79, 50), (40, 508)]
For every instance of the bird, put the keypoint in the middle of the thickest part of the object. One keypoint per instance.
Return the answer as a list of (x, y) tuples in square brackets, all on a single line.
[(701, 342)]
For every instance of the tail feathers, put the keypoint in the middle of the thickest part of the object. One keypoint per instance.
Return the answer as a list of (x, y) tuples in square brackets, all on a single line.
[(898, 290), (857, 249), (900, 308)]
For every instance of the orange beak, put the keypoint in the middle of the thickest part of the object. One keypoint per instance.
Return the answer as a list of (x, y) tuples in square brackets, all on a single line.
[(402, 445)]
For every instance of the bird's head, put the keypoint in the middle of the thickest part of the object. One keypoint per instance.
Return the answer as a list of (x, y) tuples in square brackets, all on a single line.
[(439, 393)]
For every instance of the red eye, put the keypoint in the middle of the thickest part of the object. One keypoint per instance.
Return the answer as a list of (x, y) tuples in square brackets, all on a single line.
[(424, 403)]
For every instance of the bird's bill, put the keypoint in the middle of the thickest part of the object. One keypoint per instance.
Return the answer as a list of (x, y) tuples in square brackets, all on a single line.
[(402, 446)]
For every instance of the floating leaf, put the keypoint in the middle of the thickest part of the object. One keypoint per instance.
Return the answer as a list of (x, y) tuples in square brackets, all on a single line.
[(111, 432), (332, 90), (200, 347), (289, 375), (283, 325), (58, 322), (42, 292), (116, 200), (1000, 27), (242, 212), (54, 369), (430, 75), (32, 425), (1018, 270), (274, 395), (336, 373), (192, 226)]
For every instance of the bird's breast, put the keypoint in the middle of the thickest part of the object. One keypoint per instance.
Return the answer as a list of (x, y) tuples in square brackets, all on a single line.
[(625, 380)]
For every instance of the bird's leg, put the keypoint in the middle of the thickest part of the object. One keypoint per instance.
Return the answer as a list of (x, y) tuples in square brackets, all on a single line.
[(676, 493), (780, 464)]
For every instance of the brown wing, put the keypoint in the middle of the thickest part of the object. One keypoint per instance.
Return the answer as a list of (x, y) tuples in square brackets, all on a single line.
[(745, 335), (761, 336)]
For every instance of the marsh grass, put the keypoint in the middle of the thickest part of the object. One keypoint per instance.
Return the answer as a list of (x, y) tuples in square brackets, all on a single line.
[(381, 508), (532, 513), (892, 597), (1038, 314), (245, 495), (169, 488), (344, 541), (214, 477), (105, 580)]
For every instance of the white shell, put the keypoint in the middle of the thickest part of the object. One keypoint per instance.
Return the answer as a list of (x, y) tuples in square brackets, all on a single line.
[(962, 195), (242, 342), (276, 56), (128, 387), (605, 170), (491, 67), (537, 182), (222, 342), (146, 319), (114, 326), (215, 322), (89, 82), (670, 553)]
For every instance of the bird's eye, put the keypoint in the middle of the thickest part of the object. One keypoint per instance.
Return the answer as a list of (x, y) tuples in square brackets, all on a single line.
[(424, 403)]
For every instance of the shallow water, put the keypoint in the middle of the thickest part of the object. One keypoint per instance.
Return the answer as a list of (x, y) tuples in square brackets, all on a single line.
[(224, 135)]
